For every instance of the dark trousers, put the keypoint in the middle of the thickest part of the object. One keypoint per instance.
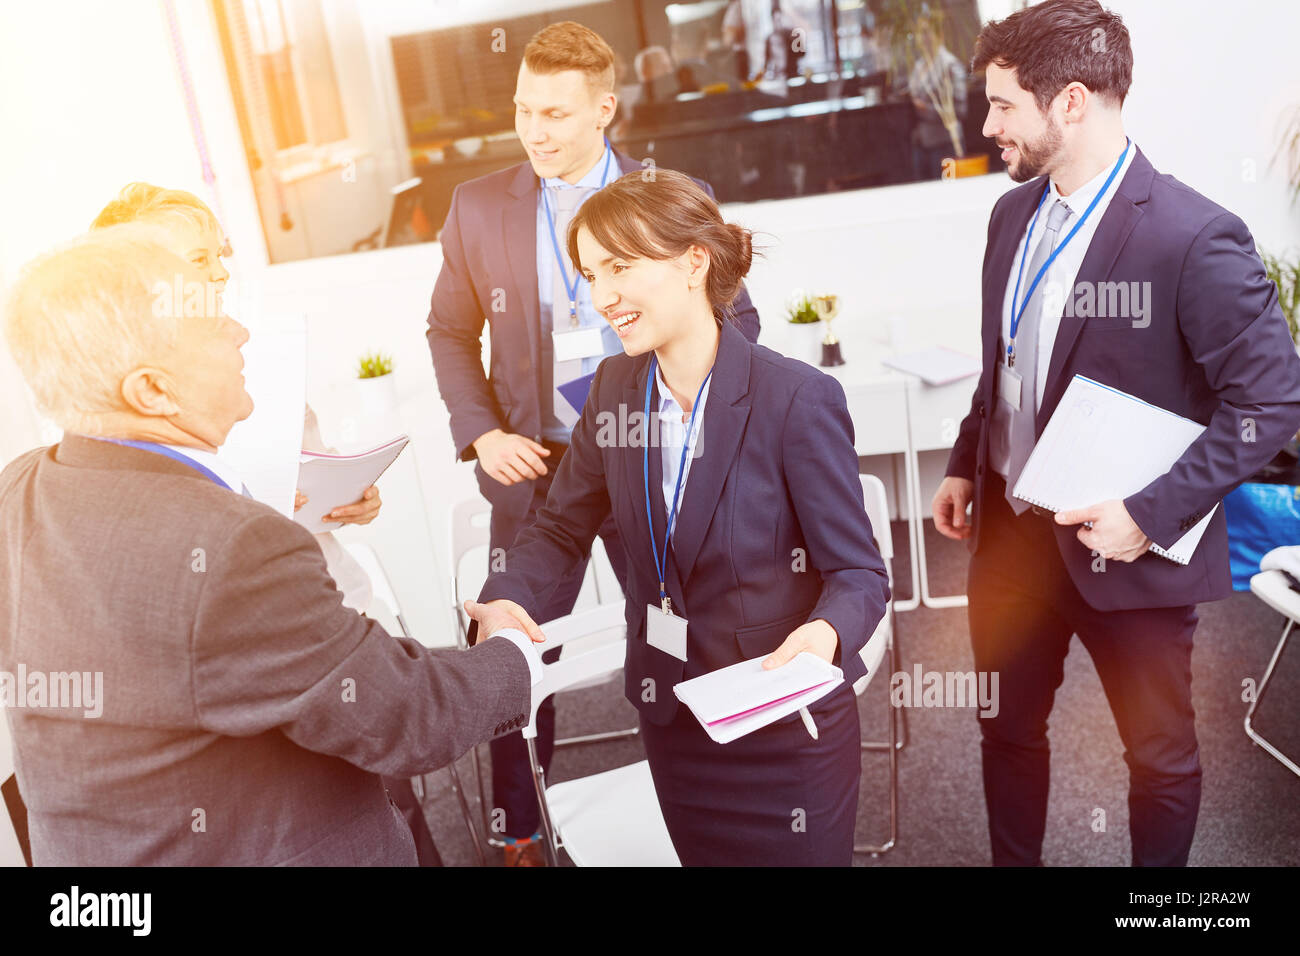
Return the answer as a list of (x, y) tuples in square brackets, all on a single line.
[(1023, 611), (512, 782), (775, 797)]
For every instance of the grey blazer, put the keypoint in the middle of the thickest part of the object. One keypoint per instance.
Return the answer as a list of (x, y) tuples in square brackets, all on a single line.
[(247, 715)]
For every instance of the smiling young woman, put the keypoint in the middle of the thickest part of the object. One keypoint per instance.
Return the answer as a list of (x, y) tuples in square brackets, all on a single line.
[(752, 466)]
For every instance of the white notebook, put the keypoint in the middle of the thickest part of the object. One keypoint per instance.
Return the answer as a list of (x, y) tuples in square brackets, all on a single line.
[(1102, 443), (737, 700), (331, 481)]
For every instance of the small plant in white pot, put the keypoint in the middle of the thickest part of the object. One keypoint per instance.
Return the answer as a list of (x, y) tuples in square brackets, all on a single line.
[(377, 393), (805, 327)]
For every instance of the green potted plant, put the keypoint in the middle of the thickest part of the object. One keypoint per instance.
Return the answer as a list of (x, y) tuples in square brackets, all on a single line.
[(377, 396), (1285, 273), (805, 325)]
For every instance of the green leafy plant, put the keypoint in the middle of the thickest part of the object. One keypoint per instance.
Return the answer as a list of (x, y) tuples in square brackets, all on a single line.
[(374, 364), (800, 310), (1288, 151), (1285, 272)]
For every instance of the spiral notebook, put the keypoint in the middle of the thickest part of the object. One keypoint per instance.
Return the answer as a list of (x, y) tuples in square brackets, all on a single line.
[(1101, 444)]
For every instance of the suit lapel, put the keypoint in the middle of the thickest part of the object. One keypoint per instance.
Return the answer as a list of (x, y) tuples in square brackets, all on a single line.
[(720, 432), (1116, 225), (519, 238)]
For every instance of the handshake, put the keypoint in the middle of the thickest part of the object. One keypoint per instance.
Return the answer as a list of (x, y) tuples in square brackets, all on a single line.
[(817, 636)]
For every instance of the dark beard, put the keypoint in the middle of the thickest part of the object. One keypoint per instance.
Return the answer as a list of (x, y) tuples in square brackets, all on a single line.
[(1035, 157)]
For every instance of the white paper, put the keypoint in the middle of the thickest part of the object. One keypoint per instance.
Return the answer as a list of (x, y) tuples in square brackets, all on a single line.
[(737, 700), (936, 366), (264, 448), (331, 481), (1102, 444)]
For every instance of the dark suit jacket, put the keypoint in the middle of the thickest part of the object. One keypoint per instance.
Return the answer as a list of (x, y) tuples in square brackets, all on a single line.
[(771, 531), (1217, 350), (247, 713), (489, 262)]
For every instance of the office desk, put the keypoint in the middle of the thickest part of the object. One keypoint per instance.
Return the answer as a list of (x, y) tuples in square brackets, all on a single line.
[(897, 413)]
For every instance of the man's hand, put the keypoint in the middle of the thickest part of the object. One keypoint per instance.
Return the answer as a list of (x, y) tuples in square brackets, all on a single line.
[(359, 512), (497, 615), (815, 636), (299, 499), (509, 458), (949, 507), (1113, 534)]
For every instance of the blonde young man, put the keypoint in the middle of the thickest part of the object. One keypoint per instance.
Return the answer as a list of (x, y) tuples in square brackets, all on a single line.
[(504, 264)]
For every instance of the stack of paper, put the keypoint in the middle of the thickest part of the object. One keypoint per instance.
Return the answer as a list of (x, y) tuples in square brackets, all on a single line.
[(740, 699), (1102, 444), (331, 481)]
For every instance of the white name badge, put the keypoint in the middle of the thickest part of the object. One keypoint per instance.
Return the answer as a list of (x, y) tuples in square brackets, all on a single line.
[(579, 343), (667, 632), (1009, 385)]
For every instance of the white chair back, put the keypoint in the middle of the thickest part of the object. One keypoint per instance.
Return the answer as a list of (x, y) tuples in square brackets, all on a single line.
[(594, 662), (877, 505)]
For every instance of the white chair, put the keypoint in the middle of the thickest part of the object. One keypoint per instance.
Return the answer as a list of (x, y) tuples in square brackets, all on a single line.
[(382, 588), (11, 853), (880, 648), (469, 522), (606, 819), (1273, 588)]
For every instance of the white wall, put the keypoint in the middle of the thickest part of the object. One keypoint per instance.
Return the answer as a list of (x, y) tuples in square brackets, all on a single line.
[(96, 105)]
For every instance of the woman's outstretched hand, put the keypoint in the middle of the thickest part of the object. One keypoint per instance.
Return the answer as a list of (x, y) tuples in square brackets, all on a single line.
[(817, 637), (498, 615)]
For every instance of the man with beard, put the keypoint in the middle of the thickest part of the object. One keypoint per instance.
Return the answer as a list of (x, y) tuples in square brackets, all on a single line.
[(1211, 346)]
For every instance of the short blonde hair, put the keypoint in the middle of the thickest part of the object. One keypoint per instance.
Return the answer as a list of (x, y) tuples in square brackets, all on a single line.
[(83, 316), (144, 201), (571, 46)]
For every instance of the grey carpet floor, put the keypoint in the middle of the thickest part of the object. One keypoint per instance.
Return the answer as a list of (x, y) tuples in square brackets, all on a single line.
[(1250, 806)]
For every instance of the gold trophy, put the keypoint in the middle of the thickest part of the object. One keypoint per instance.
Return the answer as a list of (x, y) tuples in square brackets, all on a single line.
[(828, 306)]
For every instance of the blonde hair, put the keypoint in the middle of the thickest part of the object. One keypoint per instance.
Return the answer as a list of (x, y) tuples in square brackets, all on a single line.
[(143, 201), (571, 46), (83, 316)]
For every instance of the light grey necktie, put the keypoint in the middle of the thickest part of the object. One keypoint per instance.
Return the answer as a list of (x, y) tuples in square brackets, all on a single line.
[(1023, 429), (564, 203)]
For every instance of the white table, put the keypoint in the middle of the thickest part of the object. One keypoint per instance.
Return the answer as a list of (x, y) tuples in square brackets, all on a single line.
[(897, 413)]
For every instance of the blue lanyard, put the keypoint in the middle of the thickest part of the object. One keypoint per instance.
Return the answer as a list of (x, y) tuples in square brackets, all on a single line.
[(572, 287), (171, 453), (681, 470), (1016, 315)]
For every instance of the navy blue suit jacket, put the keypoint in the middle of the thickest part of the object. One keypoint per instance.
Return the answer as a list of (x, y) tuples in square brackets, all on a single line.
[(771, 531), (489, 271), (1217, 350)]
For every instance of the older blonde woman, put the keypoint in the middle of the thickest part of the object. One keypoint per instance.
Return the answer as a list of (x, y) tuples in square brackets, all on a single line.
[(190, 229)]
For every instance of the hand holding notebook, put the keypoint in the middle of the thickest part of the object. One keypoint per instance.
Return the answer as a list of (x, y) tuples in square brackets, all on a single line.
[(1103, 444), (737, 700), (331, 481)]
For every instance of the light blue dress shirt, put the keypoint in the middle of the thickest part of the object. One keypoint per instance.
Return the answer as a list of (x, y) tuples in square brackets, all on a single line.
[(587, 314), (672, 433)]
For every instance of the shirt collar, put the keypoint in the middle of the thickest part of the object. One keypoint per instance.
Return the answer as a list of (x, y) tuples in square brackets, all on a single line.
[(1078, 200), (668, 407), (593, 178), (223, 470)]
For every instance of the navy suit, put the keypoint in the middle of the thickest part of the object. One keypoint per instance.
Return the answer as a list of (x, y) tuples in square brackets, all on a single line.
[(489, 272), (1216, 350), (771, 533)]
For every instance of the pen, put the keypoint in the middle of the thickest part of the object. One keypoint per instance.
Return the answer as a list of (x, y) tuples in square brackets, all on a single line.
[(808, 722)]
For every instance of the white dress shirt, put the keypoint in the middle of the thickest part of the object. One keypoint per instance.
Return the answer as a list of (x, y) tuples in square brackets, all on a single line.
[(210, 460), (1058, 282), (672, 434)]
